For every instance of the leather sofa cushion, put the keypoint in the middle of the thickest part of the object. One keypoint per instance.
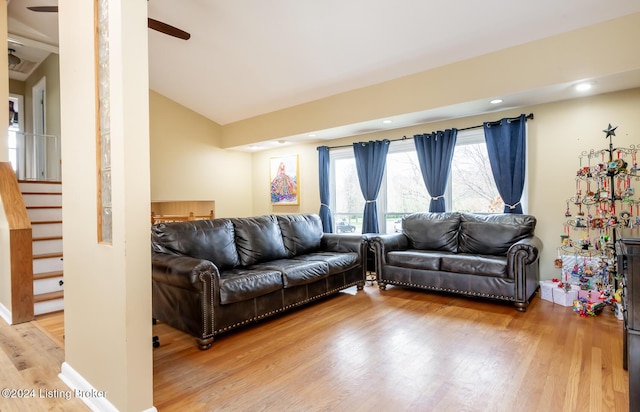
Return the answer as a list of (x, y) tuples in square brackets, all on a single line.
[(338, 262), (301, 233), (475, 265), (493, 234), (237, 285), (432, 231), (296, 272), (212, 240), (415, 259), (258, 239)]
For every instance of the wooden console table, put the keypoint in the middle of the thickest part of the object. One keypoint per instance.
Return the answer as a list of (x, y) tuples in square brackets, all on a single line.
[(181, 210)]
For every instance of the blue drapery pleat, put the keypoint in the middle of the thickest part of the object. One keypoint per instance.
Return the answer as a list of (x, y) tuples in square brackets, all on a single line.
[(371, 159), (435, 152), (323, 173), (506, 146)]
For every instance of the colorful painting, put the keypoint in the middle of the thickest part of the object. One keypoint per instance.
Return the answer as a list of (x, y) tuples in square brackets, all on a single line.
[(284, 180)]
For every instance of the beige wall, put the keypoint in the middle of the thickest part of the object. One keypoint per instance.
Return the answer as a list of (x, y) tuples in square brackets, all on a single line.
[(556, 137), (16, 87), (49, 69), (187, 162)]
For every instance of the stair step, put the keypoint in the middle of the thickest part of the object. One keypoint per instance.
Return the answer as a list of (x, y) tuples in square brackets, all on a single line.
[(48, 255), (48, 306), (35, 186), (47, 275), (49, 296), (42, 199), (47, 245), (48, 264), (41, 286), (46, 228), (45, 238), (44, 213)]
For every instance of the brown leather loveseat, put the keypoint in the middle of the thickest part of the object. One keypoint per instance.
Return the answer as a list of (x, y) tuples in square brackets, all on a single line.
[(210, 276), (484, 255)]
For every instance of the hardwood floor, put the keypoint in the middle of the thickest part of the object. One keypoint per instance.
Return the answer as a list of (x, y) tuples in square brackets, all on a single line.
[(395, 350)]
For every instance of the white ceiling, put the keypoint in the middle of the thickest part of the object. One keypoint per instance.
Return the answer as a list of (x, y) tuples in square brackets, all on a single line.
[(250, 57)]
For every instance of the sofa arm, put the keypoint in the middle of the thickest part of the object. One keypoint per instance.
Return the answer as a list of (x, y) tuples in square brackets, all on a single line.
[(331, 242), (182, 271), (390, 242), (527, 249), (382, 244)]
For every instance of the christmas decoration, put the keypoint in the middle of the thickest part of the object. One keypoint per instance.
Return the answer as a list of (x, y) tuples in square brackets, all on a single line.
[(605, 199)]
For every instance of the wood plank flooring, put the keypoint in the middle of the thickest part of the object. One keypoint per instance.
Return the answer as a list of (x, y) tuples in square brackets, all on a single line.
[(393, 350)]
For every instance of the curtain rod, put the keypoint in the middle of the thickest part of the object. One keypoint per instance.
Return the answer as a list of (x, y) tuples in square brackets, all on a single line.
[(527, 117)]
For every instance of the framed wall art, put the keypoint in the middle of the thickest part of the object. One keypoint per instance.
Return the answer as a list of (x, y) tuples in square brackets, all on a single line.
[(285, 184)]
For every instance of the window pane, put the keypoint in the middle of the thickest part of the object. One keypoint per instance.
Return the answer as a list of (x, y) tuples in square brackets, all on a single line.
[(349, 201), (406, 192), (472, 184)]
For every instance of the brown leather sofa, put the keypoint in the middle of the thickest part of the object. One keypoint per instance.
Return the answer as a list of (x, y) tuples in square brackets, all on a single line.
[(484, 255), (211, 276)]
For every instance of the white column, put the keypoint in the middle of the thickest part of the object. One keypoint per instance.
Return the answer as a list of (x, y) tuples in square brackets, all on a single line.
[(107, 287)]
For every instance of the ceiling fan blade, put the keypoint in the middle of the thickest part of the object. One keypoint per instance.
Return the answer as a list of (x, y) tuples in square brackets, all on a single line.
[(44, 9), (167, 29)]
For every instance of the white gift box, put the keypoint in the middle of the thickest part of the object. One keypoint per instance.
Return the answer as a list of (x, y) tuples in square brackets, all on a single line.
[(565, 297), (546, 289)]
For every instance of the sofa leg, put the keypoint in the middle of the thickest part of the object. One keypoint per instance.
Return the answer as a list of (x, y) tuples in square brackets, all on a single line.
[(360, 285), (204, 344), (382, 285), (521, 306)]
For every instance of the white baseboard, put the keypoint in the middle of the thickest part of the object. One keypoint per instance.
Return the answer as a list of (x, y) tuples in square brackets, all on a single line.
[(6, 314), (97, 402)]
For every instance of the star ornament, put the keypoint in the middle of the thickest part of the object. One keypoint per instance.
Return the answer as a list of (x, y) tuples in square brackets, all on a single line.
[(610, 131)]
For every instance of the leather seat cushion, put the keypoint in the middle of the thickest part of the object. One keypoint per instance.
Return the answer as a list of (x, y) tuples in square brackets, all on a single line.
[(238, 284), (296, 272), (212, 240), (416, 259), (258, 239), (475, 265), (432, 231), (338, 262), (301, 233), (493, 234)]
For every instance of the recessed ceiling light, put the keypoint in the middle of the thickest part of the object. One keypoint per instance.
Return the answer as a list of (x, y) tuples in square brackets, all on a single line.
[(312, 135), (496, 101), (387, 121), (583, 87)]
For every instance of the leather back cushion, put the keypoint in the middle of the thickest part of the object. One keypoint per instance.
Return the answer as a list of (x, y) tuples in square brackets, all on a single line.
[(432, 231), (301, 233), (213, 240), (493, 234), (258, 239)]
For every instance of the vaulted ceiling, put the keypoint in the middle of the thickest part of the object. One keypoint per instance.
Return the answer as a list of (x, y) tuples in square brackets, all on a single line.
[(250, 57)]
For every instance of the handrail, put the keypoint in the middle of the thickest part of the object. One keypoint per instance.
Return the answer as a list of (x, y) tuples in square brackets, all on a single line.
[(18, 271)]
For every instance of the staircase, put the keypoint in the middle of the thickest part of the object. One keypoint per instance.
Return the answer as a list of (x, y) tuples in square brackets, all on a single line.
[(44, 207)]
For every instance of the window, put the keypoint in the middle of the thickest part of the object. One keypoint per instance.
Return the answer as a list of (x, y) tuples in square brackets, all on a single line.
[(471, 187), (346, 197), (403, 190), (471, 184)]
